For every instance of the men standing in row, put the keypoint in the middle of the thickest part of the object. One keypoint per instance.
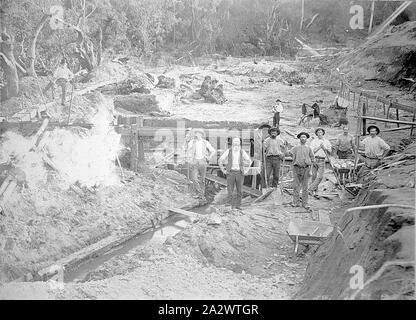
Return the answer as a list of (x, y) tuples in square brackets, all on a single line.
[(375, 148), (200, 152), (345, 146), (274, 147), (303, 159), (321, 148), (237, 164)]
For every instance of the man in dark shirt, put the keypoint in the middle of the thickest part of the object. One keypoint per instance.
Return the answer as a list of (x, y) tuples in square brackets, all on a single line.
[(302, 160)]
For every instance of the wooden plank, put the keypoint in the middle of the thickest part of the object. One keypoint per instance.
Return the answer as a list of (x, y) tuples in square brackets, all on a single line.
[(184, 212), (223, 182), (388, 120), (397, 129), (263, 196), (140, 143)]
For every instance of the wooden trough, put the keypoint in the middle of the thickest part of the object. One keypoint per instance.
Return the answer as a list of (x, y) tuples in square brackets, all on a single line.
[(308, 232)]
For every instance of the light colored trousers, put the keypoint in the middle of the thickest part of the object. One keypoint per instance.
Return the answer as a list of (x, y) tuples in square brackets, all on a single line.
[(198, 174)]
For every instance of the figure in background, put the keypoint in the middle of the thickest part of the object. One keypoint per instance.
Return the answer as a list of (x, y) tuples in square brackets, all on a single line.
[(61, 77), (277, 110)]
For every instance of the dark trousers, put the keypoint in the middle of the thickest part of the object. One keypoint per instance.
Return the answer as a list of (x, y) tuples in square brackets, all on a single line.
[(235, 179), (51, 85), (272, 167), (276, 119), (300, 181)]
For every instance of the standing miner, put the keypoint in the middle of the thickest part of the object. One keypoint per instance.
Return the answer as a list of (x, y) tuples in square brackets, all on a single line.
[(200, 152), (375, 148), (321, 148), (277, 110), (60, 77), (274, 147), (303, 159), (345, 145), (237, 164)]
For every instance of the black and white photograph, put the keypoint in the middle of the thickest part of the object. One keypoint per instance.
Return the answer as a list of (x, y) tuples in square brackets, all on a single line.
[(235, 151)]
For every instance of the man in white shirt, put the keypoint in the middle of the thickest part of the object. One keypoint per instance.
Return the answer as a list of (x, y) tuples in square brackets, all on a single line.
[(277, 109), (237, 164), (61, 76), (375, 148), (320, 148), (200, 152)]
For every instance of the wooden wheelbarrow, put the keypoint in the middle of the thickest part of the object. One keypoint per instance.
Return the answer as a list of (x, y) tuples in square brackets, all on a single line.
[(308, 232)]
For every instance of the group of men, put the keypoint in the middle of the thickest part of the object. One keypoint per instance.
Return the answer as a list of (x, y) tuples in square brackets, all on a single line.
[(212, 91), (234, 163), (308, 160)]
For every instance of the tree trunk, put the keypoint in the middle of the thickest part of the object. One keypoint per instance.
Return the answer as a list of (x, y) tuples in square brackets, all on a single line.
[(32, 48), (9, 66)]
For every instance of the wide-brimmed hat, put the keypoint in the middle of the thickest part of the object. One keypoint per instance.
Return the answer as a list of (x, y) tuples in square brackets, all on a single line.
[(317, 129), (278, 100), (195, 131), (274, 129), (301, 133), (371, 127)]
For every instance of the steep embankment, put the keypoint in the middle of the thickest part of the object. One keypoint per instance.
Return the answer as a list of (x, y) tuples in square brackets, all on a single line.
[(371, 238), (390, 57)]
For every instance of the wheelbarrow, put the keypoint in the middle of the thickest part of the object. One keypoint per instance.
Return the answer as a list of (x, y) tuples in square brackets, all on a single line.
[(308, 232)]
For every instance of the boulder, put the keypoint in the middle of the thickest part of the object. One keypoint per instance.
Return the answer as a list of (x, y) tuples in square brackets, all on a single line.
[(137, 103)]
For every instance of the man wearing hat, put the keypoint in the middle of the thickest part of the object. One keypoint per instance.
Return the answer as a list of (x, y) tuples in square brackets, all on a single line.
[(200, 153), (320, 147), (277, 109), (274, 148), (375, 148), (303, 159)]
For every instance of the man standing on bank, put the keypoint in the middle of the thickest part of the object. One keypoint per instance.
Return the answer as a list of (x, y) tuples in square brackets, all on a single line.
[(345, 146), (237, 164), (303, 159), (200, 153), (274, 147), (277, 109), (320, 147), (375, 148)]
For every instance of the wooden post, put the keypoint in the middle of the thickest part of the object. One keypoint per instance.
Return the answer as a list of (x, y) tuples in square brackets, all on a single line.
[(303, 14), (371, 18), (364, 120), (397, 116), (134, 147), (140, 142), (388, 113), (414, 116)]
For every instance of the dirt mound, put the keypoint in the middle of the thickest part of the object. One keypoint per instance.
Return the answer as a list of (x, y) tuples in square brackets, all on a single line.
[(40, 226), (389, 57), (137, 103)]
